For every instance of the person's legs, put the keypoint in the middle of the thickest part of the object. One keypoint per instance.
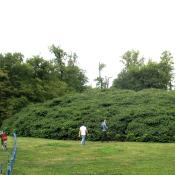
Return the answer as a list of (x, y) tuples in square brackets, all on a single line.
[(83, 137), (2, 144), (5, 145), (104, 136)]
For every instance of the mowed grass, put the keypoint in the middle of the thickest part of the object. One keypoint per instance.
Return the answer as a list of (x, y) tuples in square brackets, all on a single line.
[(52, 157), (5, 155)]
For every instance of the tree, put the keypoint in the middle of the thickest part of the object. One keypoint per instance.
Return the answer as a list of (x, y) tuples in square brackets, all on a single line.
[(67, 70), (137, 75), (128, 77), (8, 60), (37, 79), (130, 59), (74, 76), (59, 60), (5, 93), (40, 68), (150, 76), (166, 67), (100, 79), (106, 82), (127, 80)]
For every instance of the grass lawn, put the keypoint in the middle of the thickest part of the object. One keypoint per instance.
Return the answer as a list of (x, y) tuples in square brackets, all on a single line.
[(51, 157)]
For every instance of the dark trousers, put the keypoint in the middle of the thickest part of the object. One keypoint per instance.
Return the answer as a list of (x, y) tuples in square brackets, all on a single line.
[(104, 136)]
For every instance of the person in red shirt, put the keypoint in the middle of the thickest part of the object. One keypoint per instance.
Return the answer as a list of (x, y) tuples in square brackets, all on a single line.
[(4, 140)]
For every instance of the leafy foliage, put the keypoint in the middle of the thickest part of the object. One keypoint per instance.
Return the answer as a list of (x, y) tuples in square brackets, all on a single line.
[(137, 75), (147, 115), (36, 80)]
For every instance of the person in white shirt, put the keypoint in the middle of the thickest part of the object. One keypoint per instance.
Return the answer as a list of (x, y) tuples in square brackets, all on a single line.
[(83, 132)]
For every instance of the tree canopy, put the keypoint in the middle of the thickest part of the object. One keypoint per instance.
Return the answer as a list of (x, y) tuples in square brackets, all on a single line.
[(138, 75), (36, 79)]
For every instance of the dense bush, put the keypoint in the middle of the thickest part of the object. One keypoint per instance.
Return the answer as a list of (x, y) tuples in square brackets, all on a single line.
[(147, 115)]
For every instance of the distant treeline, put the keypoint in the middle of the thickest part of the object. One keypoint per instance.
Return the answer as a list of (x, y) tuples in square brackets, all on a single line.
[(38, 79)]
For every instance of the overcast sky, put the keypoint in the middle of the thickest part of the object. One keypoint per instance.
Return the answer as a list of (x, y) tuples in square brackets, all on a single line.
[(97, 30)]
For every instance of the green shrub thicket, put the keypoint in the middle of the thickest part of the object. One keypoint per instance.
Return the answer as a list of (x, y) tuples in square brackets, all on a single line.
[(147, 115)]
